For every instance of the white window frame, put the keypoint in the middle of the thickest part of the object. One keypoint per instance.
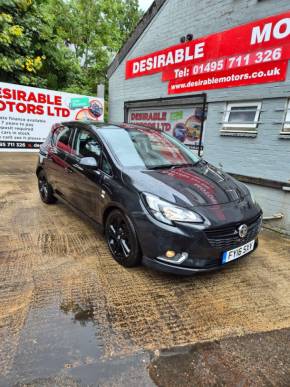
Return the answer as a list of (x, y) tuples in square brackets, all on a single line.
[(286, 124), (232, 127)]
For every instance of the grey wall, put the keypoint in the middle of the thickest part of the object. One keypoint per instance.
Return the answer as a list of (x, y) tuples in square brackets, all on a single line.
[(267, 155), (274, 201)]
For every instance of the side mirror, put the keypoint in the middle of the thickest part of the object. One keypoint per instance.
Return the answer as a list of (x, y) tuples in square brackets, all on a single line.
[(88, 163)]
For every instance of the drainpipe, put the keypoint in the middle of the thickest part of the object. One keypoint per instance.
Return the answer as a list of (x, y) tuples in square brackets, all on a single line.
[(202, 125)]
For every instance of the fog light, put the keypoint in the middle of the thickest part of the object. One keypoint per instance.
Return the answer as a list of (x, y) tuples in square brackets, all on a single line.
[(171, 257), (170, 254)]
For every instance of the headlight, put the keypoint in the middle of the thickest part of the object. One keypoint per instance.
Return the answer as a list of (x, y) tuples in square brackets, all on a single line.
[(167, 212)]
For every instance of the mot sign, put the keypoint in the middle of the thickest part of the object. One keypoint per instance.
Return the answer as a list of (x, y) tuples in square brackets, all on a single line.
[(253, 53)]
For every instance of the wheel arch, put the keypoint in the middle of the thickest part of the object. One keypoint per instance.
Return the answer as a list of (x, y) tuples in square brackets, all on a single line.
[(116, 206), (38, 170), (108, 210)]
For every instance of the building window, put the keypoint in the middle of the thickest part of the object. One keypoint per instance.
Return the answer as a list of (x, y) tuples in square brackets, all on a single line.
[(286, 125), (242, 117)]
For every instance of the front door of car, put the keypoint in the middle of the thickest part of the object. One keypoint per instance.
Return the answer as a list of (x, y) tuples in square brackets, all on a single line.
[(85, 181)]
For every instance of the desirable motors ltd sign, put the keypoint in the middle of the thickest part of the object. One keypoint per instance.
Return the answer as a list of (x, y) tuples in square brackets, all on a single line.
[(253, 53), (27, 114)]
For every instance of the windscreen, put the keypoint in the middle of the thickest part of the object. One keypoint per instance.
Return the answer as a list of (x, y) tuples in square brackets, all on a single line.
[(147, 148)]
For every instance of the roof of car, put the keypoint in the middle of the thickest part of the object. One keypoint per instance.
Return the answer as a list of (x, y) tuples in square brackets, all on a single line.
[(107, 125), (88, 123)]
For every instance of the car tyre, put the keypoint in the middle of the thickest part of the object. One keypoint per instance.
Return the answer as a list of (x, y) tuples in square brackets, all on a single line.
[(45, 189), (122, 239)]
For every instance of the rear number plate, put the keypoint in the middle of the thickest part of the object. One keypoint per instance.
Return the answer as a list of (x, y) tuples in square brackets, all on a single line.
[(231, 255)]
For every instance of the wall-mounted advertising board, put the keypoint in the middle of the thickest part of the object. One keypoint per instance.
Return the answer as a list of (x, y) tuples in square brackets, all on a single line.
[(182, 117), (253, 53), (27, 114), (183, 122)]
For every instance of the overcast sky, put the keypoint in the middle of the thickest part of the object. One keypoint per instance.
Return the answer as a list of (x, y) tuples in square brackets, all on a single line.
[(145, 4)]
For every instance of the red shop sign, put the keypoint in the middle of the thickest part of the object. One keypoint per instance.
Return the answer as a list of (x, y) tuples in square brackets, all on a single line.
[(251, 75), (232, 62), (263, 34)]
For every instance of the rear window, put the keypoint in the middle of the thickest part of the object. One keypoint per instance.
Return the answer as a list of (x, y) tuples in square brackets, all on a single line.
[(61, 137)]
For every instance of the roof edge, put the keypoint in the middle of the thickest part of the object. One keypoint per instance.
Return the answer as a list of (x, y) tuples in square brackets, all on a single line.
[(135, 35)]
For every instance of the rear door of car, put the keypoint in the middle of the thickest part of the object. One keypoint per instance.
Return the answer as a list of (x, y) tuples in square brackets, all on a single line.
[(56, 166)]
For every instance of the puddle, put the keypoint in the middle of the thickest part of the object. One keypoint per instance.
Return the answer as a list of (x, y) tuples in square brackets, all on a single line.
[(54, 340), (61, 344)]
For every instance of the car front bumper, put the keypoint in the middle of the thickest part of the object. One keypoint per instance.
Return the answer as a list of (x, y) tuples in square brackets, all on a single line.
[(205, 246), (157, 264)]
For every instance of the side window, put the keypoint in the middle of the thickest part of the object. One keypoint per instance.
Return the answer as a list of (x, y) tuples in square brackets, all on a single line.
[(242, 117), (86, 145), (61, 138), (55, 134), (106, 166)]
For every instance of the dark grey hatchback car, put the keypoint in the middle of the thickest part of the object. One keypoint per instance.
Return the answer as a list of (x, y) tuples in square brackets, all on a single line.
[(157, 201)]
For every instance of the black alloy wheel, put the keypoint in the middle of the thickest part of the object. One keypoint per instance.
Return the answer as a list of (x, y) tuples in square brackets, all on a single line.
[(45, 189), (122, 239)]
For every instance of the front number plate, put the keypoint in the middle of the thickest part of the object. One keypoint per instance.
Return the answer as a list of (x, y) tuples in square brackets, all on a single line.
[(231, 255)]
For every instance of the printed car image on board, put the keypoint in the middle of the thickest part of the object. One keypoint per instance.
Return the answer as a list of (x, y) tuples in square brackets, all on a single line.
[(93, 112), (189, 130)]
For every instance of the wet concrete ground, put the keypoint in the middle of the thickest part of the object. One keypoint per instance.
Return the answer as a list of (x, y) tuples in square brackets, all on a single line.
[(70, 315)]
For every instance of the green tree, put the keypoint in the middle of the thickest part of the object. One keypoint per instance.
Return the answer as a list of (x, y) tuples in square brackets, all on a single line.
[(30, 51), (95, 30), (62, 44), (19, 61)]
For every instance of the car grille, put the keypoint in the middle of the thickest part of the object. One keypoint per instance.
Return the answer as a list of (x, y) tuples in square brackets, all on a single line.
[(228, 238)]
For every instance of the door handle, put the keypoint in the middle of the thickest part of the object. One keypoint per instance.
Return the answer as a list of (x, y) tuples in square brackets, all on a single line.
[(77, 166)]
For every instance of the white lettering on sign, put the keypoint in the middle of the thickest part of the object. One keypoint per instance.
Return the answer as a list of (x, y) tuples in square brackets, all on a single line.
[(259, 36), (161, 60), (170, 58), (283, 24), (136, 67), (179, 55), (280, 31), (199, 50)]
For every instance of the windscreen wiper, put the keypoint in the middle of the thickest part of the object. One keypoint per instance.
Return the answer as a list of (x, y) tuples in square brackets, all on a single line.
[(162, 166), (182, 165), (170, 166)]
